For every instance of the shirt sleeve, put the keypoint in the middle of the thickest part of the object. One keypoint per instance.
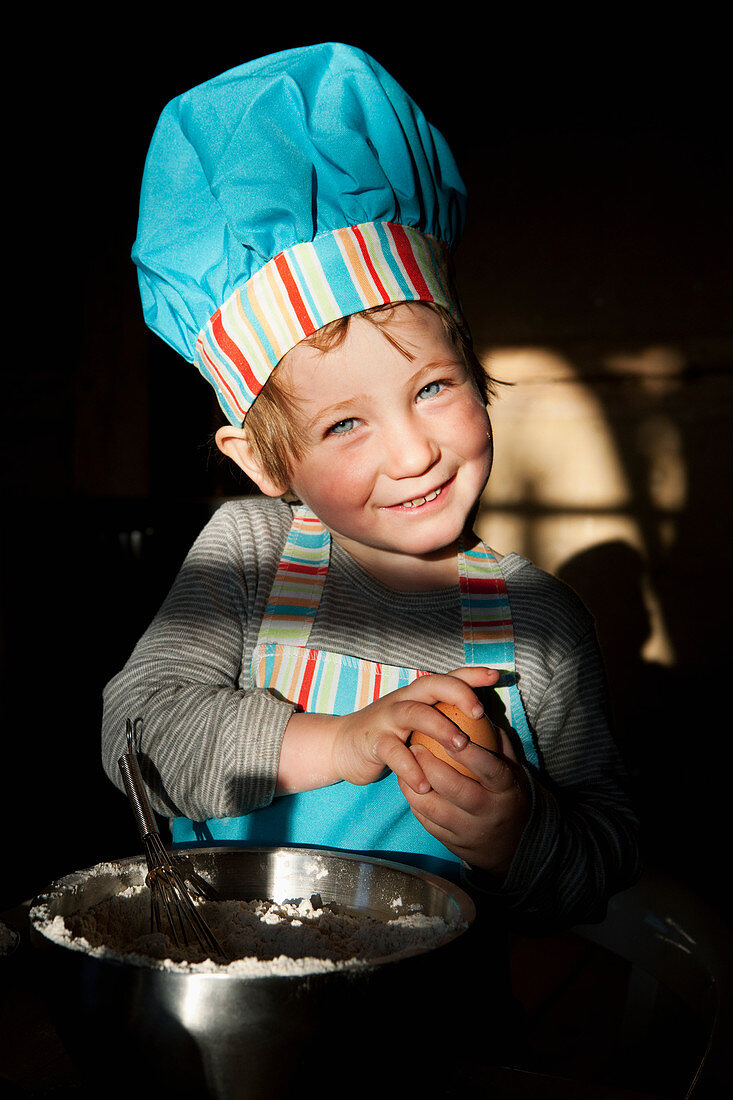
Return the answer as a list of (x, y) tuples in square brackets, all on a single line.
[(580, 844), (209, 743)]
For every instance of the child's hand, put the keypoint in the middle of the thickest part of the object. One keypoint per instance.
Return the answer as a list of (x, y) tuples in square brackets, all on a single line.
[(481, 822), (373, 739)]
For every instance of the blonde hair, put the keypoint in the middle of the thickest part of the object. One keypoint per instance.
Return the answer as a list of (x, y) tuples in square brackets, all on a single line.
[(275, 431)]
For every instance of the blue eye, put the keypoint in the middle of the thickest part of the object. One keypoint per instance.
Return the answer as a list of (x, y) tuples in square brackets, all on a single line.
[(431, 390), (343, 426)]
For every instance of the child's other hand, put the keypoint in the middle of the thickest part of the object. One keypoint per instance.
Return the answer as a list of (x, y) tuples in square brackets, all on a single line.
[(373, 739), (481, 822)]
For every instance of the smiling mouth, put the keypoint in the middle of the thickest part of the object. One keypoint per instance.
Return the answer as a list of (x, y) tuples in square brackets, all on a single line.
[(418, 502)]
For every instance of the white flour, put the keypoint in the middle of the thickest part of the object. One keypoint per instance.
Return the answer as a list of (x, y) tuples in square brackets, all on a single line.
[(260, 937)]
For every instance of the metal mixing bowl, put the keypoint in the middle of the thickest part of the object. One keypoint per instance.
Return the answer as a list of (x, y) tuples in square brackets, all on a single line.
[(213, 1034)]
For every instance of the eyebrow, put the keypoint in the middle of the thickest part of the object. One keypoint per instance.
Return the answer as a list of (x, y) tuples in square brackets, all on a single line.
[(438, 364), (330, 413)]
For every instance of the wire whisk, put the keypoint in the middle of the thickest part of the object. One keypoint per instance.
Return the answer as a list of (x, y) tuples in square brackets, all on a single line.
[(172, 892)]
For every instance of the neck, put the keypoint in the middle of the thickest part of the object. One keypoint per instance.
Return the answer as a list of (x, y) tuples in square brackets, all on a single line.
[(405, 572)]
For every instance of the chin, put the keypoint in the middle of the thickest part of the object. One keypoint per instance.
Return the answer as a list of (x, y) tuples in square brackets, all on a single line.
[(432, 542)]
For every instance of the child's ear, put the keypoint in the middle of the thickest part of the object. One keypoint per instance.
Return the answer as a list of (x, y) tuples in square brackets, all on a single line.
[(233, 443)]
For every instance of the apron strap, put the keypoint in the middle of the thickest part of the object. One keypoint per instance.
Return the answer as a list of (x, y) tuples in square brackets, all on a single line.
[(296, 590), (488, 637), (488, 631)]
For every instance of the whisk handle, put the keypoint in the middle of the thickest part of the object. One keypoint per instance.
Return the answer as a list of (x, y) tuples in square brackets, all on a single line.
[(135, 789)]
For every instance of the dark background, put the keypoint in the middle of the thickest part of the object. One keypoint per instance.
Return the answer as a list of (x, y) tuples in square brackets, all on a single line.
[(596, 158)]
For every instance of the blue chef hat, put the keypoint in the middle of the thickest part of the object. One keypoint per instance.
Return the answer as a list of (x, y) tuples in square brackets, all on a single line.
[(287, 192)]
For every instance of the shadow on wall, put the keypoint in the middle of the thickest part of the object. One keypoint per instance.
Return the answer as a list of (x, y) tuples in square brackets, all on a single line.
[(644, 694), (610, 472)]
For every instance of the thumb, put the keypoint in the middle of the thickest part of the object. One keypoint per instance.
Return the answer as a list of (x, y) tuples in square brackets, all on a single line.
[(502, 770)]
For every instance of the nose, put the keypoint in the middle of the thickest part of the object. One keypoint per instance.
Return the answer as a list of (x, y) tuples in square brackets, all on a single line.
[(410, 449)]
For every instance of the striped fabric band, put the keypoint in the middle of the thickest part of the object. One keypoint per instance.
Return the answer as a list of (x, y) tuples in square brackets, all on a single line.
[(488, 632), (305, 287), (296, 590), (487, 624), (327, 687)]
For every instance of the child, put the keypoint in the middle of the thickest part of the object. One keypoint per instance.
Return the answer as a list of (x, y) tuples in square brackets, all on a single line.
[(298, 213)]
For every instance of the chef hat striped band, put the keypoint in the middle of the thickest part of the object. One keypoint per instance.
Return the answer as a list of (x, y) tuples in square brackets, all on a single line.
[(307, 286)]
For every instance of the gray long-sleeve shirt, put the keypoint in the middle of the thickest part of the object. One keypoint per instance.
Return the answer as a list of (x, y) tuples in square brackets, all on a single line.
[(214, 742)]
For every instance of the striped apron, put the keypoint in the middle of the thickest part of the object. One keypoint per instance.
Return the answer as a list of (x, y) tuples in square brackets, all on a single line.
[(374, 817)]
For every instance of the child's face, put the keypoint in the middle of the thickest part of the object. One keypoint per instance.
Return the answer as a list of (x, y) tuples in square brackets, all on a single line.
[(398, 449)]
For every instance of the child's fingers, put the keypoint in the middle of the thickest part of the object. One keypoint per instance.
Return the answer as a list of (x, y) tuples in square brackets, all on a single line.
[(455, 688), (507, 748), (377, 734), (476, 675), (445, 815), (404, 764), (501, 770), (387, 742), (496, 774), (450, 786), (481, 820), (433, 723)]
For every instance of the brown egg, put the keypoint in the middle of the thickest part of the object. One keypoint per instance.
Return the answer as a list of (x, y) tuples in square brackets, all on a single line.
[(479, 730)]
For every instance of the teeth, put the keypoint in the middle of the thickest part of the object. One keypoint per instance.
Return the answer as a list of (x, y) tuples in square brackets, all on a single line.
[(421, 500)]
